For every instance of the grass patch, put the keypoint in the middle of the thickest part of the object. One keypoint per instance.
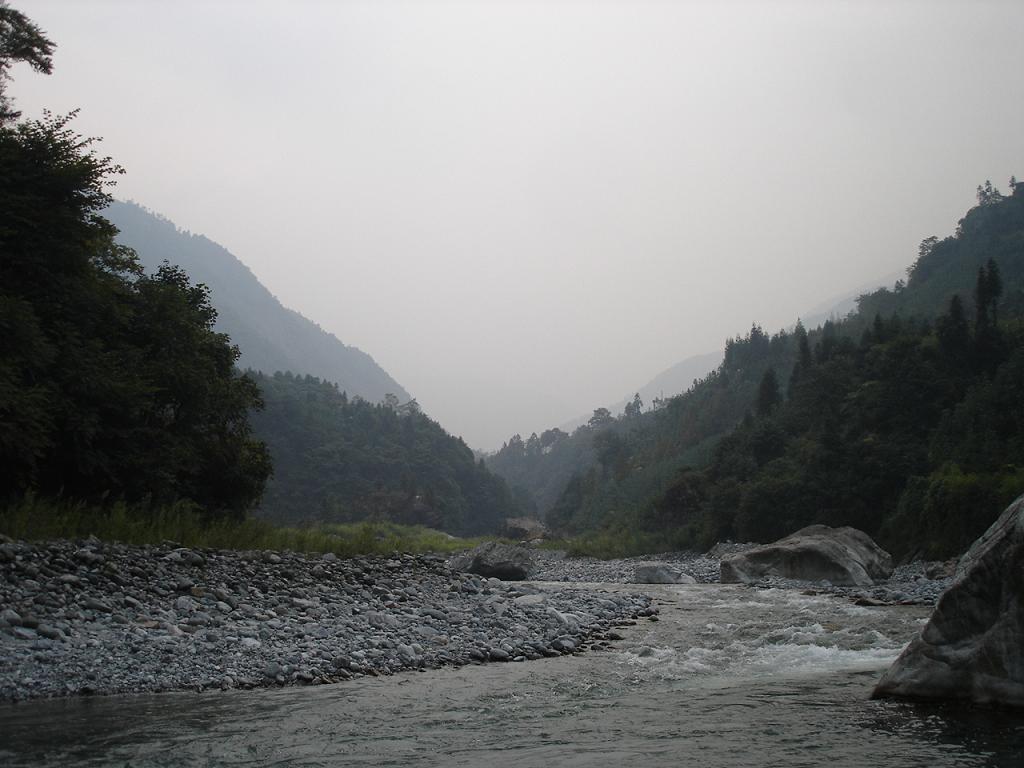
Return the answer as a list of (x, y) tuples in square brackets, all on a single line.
[(41, 519)]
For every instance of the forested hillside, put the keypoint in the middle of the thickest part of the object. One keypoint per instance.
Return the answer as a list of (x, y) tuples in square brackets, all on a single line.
[(341, 459), (619, 463), (900, 419), (114, 385), (270, 336), (913, 432)]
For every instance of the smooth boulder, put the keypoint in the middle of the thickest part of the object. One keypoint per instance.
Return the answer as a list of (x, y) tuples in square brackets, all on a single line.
[(660, 573), (973, 645), (525, 529), (841, 556), (508, 562)]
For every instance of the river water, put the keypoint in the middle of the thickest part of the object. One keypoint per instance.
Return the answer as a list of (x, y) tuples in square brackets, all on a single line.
[(729, 676)]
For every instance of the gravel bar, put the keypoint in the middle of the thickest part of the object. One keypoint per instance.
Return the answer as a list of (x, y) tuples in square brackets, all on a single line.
[(90, 617)]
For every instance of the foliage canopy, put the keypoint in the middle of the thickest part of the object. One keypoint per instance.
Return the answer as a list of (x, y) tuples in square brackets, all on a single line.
[(113, 384)]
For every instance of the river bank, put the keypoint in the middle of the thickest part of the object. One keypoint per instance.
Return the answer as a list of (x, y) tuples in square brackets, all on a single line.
[(729, 676), (90, 617), (917, 583)]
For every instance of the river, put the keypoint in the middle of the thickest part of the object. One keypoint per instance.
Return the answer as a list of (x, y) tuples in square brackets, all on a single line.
[(729, 676)]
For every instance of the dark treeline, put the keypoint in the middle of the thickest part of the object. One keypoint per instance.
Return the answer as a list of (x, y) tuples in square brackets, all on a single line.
[(913, 434), (341, 459), (904, 419), (113, 384)]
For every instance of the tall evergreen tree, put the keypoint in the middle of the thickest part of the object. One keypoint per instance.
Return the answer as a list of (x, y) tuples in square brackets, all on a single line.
[(768, 393)]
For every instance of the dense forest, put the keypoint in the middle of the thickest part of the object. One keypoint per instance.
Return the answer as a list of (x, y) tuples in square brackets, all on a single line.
[(903, 419), (113, 384), (339, 459)]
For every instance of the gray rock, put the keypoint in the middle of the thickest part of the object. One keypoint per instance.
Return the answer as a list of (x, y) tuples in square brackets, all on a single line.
[(524, 528), (525, 600), (660, 573), (510, 562), (842, 556), (407, 652), (973, 645), (186, 556), (96, 605), (381, 620)]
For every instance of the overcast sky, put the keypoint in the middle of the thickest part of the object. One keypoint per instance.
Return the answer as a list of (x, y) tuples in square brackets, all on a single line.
[(524, 211)]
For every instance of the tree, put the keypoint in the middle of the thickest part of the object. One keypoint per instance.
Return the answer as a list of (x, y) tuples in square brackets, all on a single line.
[(987, 194), (954, 333), (20, 41), (634, 407), (602, 417), (987, 339), (409, 408), (550, 437), (804, 359), (768, 393), (113, 385)]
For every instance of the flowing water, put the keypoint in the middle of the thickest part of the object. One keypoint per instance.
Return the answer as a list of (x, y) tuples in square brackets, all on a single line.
[(729, 676)]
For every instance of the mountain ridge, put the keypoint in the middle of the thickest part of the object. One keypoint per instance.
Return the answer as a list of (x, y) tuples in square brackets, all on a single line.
[(271, 336)]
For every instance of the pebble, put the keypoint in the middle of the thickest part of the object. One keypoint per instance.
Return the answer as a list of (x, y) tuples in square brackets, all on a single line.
[(919, 583), (102, 618)]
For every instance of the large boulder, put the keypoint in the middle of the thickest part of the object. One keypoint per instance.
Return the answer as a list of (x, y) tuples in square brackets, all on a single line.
[(525, 528), (841, 556), (973, 645), (509, 562), (660, 573)]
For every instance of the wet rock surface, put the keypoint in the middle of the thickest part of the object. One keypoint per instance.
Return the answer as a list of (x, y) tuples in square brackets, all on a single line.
[(495, 559), (973, 645), (92, 617), (842, 556)]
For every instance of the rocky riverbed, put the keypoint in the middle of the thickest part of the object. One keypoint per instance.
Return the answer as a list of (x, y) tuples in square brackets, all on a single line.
[(92, 617), (918, 583)]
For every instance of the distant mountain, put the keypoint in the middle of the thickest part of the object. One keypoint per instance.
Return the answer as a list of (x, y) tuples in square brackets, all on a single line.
[(675, 380), (270, 336), (838, 307)]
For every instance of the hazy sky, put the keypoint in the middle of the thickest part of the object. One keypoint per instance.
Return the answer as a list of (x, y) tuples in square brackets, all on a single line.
[(524, 211)]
